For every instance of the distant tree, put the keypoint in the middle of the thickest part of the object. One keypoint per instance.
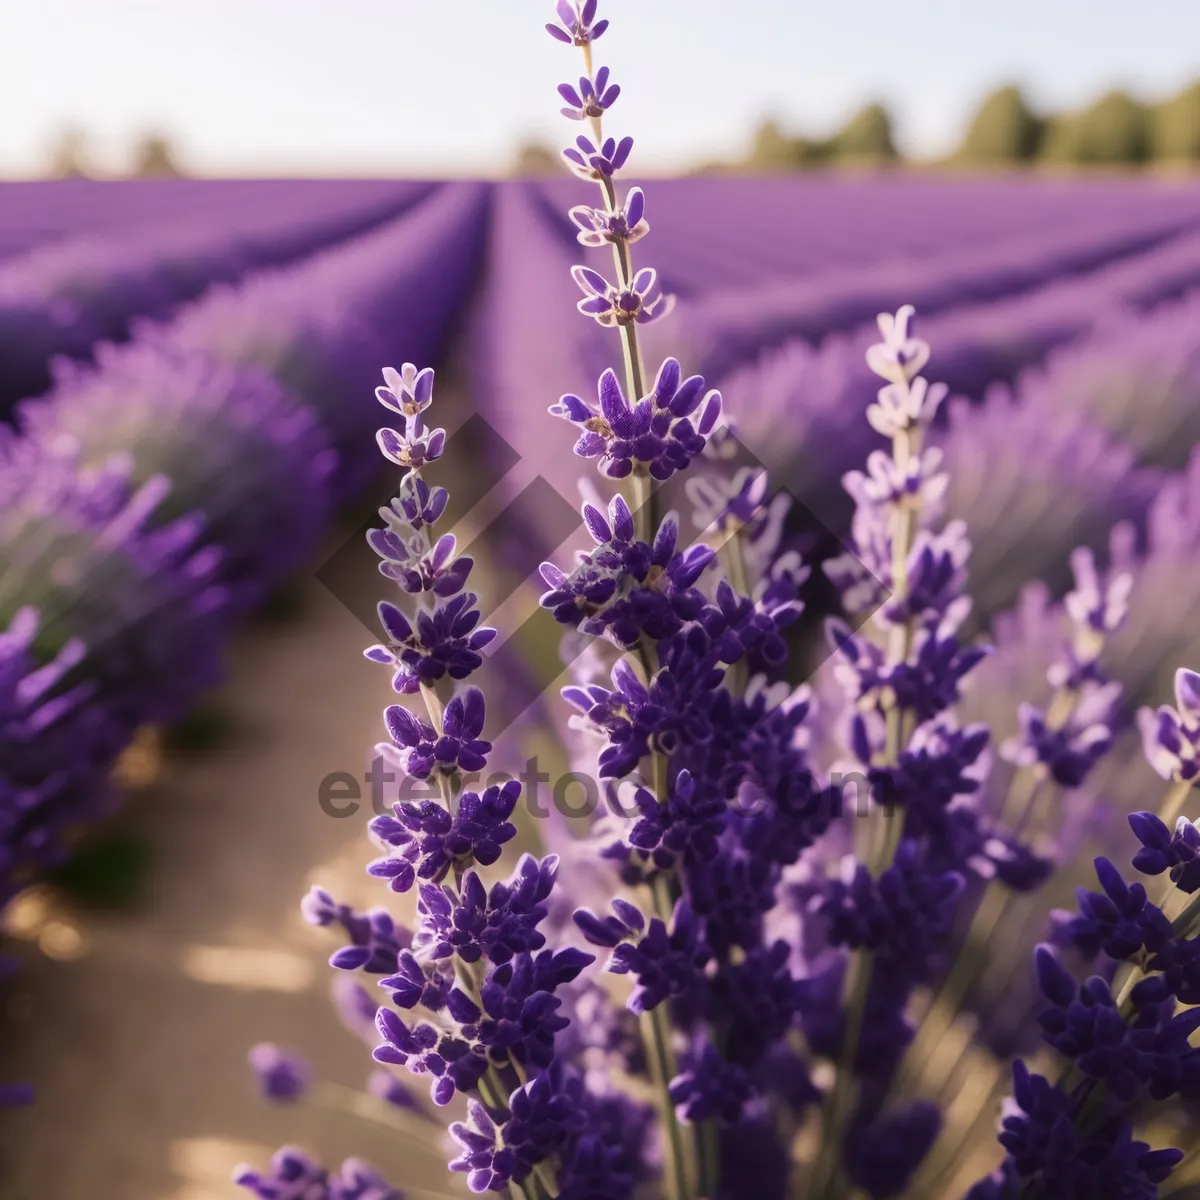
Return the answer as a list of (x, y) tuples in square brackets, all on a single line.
[(773, 150), (1114, 130), (69, 155), (154, 158), (535, 160), (1062, 138), (1003, 130), (1175, 127), (867, 135)]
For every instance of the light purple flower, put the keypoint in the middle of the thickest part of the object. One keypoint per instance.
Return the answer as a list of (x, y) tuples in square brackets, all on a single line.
[(596, 163), (415, 447), (899, 357), (408, 391), (577, 25), (611, 304), (590, 100), (283, 1075), (598, 227), (1171, 736)]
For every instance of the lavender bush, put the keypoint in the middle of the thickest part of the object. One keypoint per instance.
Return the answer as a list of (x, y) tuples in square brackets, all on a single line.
[(63, 298), (799, 903)]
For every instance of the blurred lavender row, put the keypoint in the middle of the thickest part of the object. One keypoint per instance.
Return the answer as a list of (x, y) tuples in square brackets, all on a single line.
[(64, 296), (152, 497)]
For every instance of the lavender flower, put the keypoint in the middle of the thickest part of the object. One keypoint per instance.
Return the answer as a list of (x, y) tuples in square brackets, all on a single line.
[(591, 99), (656, 433), (590, 161), (408, 391), (577, 24), (1171, 736), (641, 300), (598, 227), (431, 840), (444, 642), (294, 1174), (283, 1075)]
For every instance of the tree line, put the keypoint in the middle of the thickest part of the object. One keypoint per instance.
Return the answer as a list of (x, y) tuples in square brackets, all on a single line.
[(1005, 130)]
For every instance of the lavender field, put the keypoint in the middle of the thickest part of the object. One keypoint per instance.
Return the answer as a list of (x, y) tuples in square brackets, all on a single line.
[(186, 448)]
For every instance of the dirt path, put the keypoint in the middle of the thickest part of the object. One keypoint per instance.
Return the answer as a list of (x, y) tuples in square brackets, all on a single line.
[(137, 1045)]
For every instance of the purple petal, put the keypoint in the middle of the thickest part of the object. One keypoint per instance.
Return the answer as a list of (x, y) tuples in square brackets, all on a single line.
[(612, 400), (589, 280), (394, 621), (596, 523), (570, 95), (635, 206)]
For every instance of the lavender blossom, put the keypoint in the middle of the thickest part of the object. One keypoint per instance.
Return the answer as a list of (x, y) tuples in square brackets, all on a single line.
[(1171, 736), (283, 1075)]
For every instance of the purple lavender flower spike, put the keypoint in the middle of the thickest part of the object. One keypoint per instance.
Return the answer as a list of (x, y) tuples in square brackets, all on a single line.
[(295, 1176), (452, 1062), (591, 99), (1069, 751), (665, 963), (415, 505), (477, 922), (1120, 921), (416, 567), (415, 446), (711, 1089), (408, 391), (597, 163), (899, 357), (598, 227), (625, 588), (425, 983), (577, 23), (375, 939), (613, 305), (430, 841), (445, 642), (1044, 1148), (283, 1075), (1171, 736), (1163, 850), (660, 432), (418, 748)]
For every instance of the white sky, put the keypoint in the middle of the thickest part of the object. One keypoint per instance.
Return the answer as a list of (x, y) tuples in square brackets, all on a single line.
[(433, 87)]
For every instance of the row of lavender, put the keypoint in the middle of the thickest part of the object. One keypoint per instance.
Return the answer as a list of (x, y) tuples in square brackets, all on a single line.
[(153, 495), (1073, 357), (64, 296)]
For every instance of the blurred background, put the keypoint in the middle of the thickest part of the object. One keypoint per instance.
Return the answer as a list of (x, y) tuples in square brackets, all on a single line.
[(218, 222)]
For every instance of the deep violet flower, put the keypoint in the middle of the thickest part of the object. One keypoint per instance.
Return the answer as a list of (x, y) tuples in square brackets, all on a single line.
[(656, 432), (283, 1074)]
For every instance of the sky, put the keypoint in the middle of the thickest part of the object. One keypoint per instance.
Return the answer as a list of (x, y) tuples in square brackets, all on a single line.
[(451, 87)]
